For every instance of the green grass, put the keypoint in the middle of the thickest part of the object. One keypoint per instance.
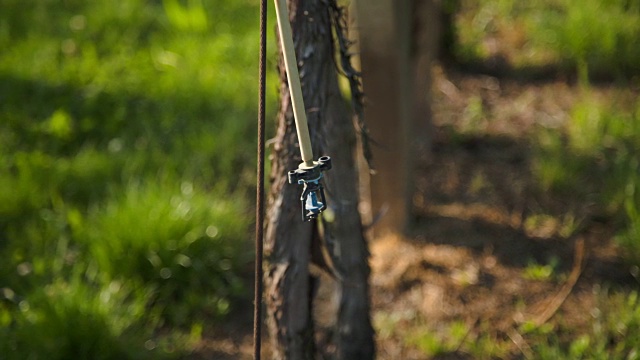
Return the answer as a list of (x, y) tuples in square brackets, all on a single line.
[(610, 334), (126, 155), (594, 36), (65, 320), (615, 323), (599, 35), (184, 243), (446, 340), (451, 339), (595, 159)]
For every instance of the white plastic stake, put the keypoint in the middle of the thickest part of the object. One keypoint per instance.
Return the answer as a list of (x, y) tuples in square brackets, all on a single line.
[(291, 65)]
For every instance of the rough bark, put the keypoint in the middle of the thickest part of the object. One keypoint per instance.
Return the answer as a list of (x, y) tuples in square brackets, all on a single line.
[(288, 242)]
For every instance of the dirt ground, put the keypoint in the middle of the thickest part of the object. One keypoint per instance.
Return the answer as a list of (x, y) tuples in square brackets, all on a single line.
[(481, 222)]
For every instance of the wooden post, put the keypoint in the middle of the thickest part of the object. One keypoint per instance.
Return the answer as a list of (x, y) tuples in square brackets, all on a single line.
[(384, 47), (396, 67)]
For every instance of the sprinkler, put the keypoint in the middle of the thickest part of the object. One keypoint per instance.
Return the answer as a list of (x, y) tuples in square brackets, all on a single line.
[(309, 172), (312, 199)]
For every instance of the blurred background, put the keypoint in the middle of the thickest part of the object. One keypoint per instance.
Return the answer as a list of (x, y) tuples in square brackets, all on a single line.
[(127, 165)]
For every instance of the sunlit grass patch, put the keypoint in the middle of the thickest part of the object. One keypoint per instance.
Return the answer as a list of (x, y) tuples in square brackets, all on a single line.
[(541, 272), (76, 319), (127, 142), (596, 159), (458, 338), (433, 343), (184, 243), (597, 152), (174, 250), (615, 321), (599, 36)]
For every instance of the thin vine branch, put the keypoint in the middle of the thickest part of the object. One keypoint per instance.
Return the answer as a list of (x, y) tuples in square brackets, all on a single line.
[(339, 20)]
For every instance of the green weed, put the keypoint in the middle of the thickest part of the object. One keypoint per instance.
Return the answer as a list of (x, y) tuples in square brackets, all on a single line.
[(541, 272)]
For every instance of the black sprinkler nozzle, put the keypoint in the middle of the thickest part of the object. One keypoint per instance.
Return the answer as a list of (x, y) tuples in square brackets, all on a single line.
[(312, 200)]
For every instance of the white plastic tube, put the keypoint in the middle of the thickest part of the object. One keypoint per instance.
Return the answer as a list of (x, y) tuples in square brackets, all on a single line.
[(291, 65)]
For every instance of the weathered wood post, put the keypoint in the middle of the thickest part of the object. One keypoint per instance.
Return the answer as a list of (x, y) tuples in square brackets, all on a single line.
[(383, 54), (397, 46), (289, 241)]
